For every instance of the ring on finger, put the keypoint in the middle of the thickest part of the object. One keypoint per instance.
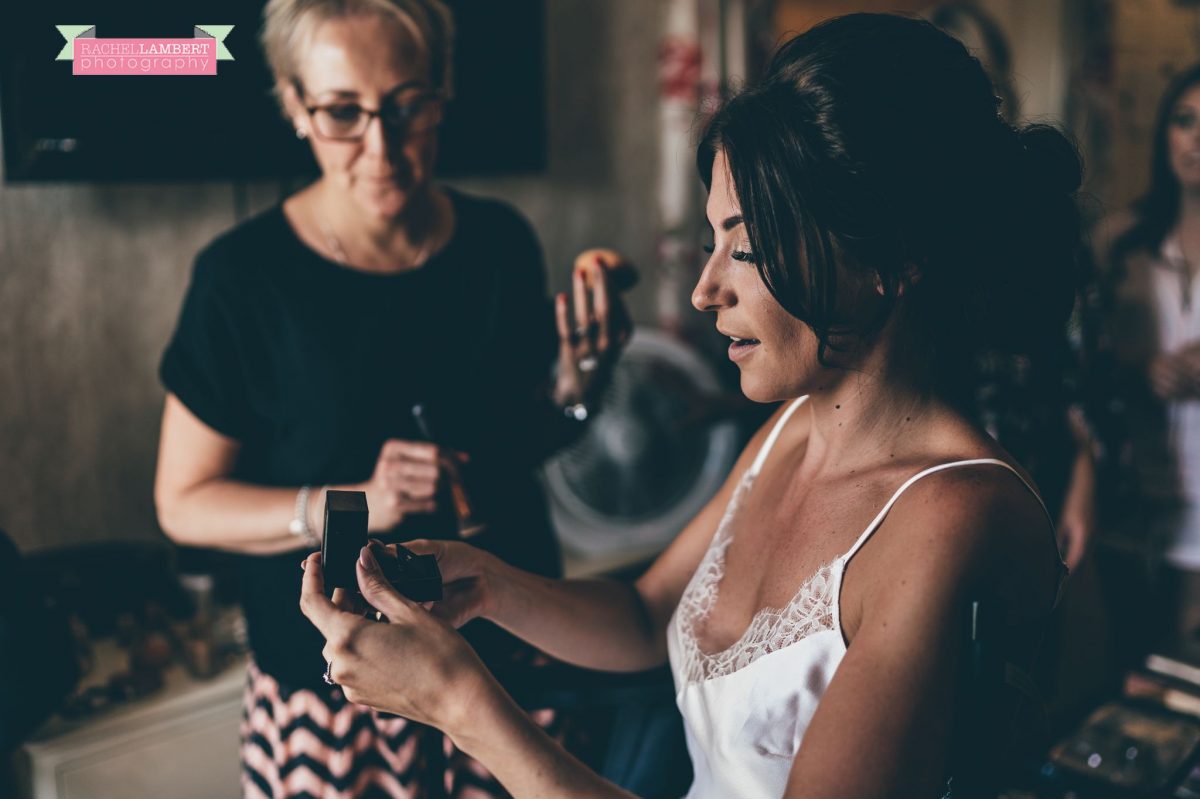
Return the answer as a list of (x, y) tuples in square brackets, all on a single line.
[(587, 363)]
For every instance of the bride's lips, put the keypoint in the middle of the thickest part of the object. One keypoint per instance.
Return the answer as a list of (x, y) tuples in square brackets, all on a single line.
[(741, 349), (741, 346)]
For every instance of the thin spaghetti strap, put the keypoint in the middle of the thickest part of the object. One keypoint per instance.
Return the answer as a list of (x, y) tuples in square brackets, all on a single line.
[(862, 539), (770, 442)]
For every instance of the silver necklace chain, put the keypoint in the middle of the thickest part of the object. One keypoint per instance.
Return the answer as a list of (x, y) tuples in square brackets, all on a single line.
[(339, 252)]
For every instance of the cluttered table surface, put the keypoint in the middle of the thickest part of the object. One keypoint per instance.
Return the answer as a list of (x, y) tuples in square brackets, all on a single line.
[(180, 718)]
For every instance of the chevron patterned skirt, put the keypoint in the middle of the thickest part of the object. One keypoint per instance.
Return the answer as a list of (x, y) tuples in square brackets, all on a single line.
[(317, 744)]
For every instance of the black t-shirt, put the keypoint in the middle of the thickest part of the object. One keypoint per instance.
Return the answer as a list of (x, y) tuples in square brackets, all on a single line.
[(311, 366)]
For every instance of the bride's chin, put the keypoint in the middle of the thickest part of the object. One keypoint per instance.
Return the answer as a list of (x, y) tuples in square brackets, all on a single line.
[(768, 388), (755, 391)]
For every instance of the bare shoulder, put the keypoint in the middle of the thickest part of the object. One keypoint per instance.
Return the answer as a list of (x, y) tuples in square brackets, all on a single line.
[(965, 506), (970, 528)]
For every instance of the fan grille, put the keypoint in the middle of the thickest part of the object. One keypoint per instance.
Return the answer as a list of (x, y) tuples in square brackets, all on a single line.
[(650, 459)]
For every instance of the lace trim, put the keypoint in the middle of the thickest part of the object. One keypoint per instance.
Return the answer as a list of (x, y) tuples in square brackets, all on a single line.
[(809, 611)]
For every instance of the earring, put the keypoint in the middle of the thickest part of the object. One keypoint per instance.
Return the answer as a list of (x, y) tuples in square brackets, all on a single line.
[(301, 133)]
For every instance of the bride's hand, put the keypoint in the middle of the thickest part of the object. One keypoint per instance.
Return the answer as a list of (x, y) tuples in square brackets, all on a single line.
[(470, 579), (412, 664)]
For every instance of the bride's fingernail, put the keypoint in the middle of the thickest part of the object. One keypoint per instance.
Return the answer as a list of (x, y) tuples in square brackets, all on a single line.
[(366, 558)]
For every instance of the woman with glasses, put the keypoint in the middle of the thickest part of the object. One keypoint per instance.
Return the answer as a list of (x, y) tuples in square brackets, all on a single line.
[(376, 332)]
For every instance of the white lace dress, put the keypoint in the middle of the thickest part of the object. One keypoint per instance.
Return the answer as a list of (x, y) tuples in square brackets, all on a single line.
[(745, 708)]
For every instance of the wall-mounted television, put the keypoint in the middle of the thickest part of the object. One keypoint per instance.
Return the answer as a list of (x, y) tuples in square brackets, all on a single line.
[(57, 126)]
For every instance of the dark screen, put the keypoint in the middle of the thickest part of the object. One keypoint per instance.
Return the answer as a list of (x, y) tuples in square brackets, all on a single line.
[(58, 126)]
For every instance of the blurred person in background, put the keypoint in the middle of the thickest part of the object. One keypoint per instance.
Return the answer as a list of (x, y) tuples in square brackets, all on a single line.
[(1149, 256)]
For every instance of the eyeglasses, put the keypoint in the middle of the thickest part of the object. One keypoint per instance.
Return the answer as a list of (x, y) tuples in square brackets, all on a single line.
[(348, 121)]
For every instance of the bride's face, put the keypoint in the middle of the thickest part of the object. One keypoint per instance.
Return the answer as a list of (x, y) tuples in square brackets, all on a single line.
[(775, 351)]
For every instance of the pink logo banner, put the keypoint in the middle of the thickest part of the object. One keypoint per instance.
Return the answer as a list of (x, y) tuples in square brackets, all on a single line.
[(145, 57), (91, 55)]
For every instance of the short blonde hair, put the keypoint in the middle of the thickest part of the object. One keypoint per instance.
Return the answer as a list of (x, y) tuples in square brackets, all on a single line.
[(287, 24)]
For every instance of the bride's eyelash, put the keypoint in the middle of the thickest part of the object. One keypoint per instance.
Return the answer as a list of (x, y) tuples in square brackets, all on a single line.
[(744, 256)]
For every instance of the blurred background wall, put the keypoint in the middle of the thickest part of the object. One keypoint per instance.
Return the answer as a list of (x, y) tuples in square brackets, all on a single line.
[(91, 277), (1130, 50)]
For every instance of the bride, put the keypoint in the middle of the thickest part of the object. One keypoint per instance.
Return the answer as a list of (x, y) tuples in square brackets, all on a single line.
[(876, 226)]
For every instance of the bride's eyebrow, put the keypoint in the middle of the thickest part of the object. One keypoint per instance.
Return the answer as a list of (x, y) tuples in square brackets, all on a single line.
[(728, 224)]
